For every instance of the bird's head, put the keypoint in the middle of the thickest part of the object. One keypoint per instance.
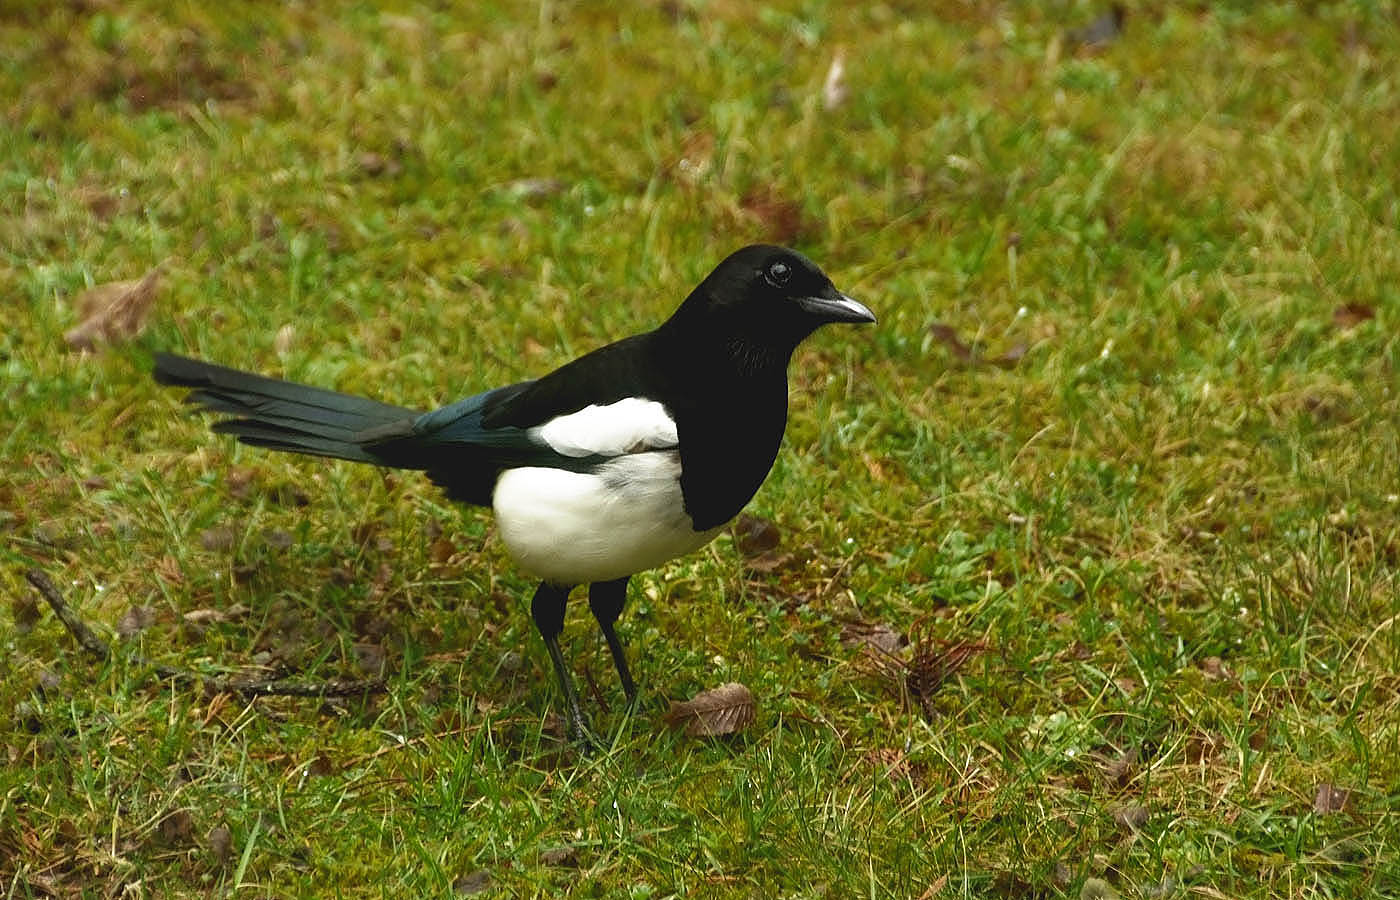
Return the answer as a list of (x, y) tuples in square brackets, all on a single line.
[(770, 296)]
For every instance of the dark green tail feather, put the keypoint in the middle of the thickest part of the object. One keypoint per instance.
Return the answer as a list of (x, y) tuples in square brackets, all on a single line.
[(283, 415)]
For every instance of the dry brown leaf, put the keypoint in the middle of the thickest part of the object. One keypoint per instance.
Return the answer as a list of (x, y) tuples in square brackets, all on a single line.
[(369, 657), (1330, 799), (727, 709), (533, 188), (1120, 769), (168, 570), (781, 218), (1011, 357), (695, 158), (24, 612), (770, 562), (1101, 32), (135, 620), (754, 535), (1214, 668), (221, 844), (474, 883), (203, 617), (440, 551), (240, 481), (876, 635), (948, 336), (1131, 816), (176, 828), (1349, 315), (286, 337), (964, 352), (560, 857), (113, 312), (376, 164), (218, 538)]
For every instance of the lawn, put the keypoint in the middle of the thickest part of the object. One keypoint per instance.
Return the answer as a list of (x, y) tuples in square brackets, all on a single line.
[(1088, 570)]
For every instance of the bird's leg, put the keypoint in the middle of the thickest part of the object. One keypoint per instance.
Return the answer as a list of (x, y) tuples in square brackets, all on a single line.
[(606, 598), (548, 611)]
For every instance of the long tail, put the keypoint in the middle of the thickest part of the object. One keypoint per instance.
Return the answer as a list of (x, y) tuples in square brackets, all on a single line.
[(284, 415)]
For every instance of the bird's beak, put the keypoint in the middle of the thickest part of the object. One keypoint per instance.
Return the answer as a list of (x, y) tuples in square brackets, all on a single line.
[(834, 306)]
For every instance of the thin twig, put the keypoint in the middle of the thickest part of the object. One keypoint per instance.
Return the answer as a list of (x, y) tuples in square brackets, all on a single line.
[(93, 644), (76, 626)]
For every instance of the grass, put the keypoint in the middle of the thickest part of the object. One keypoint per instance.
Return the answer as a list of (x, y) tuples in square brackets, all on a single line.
[(1174, 522)]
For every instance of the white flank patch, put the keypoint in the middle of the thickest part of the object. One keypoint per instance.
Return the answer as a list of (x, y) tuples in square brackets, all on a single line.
[(630, 425), (574, 528)]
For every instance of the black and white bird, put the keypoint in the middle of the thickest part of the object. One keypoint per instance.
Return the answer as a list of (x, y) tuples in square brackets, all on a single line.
[(631, 455)]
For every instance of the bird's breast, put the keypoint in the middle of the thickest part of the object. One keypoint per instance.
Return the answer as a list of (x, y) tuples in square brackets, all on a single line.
[(626, 515)]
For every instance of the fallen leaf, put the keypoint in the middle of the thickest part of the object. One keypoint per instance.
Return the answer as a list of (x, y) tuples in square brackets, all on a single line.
[(282, 343), (440, 551), (1200, 747), (1330, 799), (935, 888), (221, 844), (168, 569), (474, 883), (1011, 357), (240, 481), (1130, 816), (1214, 669), (834, 89), (876, 635), (218, 538), (754, 535), (726, 709), (1120, 769), (24, 612), (364, 532), (770, 562), (319, 767), (369, 657), (1349, 315), (176, 828), (204, 617), (1101, 32), (49, 680), (135, 620), (964, 352), (782, 219), (376, 164), (533, 188), (1097, 889), (560, 856), (113, 312), (893, 762), (694, 160), (948, 336)]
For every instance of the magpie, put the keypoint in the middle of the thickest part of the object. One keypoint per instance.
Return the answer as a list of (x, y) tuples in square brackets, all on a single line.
[(631, 455)]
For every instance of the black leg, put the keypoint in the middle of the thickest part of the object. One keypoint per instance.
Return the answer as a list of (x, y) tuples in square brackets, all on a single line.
[(606, 598), (548, 610)]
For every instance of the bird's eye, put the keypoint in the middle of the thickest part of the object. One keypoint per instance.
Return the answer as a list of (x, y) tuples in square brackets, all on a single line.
[(779, 273)]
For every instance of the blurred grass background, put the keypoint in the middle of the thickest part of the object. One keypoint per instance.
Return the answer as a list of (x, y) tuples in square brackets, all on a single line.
[(1167, 516)]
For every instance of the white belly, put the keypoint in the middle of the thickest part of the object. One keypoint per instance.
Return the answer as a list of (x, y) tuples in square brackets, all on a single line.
[(572, 528)]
